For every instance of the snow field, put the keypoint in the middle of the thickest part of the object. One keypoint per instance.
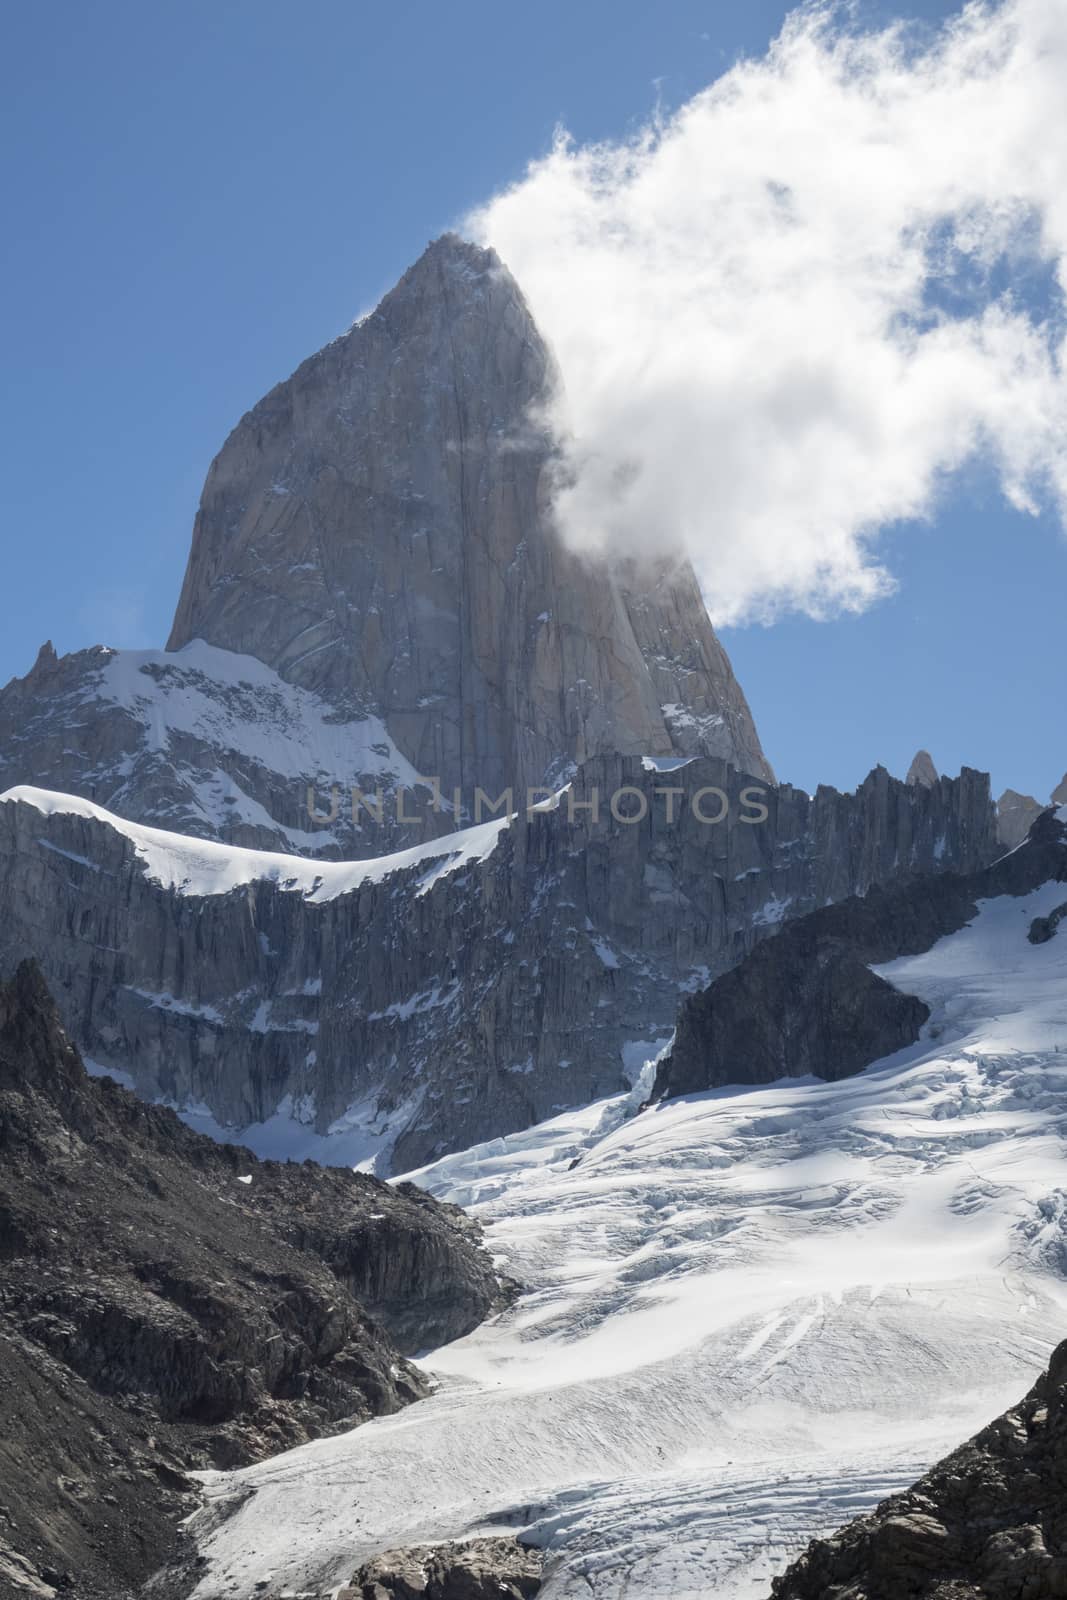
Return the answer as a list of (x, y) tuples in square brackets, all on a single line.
[(746, 1315)]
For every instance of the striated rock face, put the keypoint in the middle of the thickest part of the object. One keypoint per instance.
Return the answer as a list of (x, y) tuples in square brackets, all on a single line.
[(483, 1569), (168, 1304), (377, 531), (807, 1001), (427, 1004), (987, 1523)]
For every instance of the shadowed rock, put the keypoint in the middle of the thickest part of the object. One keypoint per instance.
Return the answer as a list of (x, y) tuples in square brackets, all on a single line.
[(169, 1304), (1042, 929)]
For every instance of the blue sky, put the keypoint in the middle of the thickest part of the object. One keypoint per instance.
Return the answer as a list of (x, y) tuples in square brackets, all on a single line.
[(197, 196)]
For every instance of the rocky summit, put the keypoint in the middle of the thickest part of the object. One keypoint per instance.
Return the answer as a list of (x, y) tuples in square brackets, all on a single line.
[(379, 530), (377, 594)]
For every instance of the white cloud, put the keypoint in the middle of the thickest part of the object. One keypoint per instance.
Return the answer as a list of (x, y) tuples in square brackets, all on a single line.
[(785, 313)]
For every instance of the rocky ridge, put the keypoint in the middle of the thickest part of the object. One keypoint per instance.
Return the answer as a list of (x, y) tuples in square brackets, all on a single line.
[(431, 1004), (1016, 815), (169, 1304), (210, 744)]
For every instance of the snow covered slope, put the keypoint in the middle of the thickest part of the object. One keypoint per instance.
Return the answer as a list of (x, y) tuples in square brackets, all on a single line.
[(199, 867), (207, 742), (747, 1315)]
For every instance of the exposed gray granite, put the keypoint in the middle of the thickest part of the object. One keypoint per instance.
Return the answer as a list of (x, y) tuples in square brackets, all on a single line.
[(452, 1006)]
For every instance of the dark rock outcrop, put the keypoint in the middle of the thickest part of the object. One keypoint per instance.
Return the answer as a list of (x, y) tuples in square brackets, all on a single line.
[(482, 1569), (167, 1303), (797, 1007), (987, 1523), (807, 1002), (1042, 929)]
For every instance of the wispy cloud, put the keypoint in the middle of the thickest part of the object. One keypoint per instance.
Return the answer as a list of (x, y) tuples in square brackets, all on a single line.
[(786, 312)]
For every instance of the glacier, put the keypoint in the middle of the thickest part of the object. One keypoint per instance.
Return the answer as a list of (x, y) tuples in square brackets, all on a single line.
[(746, 1315)]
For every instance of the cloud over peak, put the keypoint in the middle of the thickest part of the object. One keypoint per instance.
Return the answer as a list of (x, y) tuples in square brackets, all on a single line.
[(787, 312)]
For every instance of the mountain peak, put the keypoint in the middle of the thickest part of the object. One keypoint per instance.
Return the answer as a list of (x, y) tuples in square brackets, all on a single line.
[(378, 531), (922, 770), (451, 269), (452, 252), (1016, 814)]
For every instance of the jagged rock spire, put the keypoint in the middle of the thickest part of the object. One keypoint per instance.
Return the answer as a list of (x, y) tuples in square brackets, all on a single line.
[(1016, 814), (378, 530), (922, 770)]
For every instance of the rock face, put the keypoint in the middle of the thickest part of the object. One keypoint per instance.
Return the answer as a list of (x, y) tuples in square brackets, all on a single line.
[(439, 1001), (170, 1304), (807, 1001), (483, 1569), (987, 1523), (800, 1006), (377, 530)]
